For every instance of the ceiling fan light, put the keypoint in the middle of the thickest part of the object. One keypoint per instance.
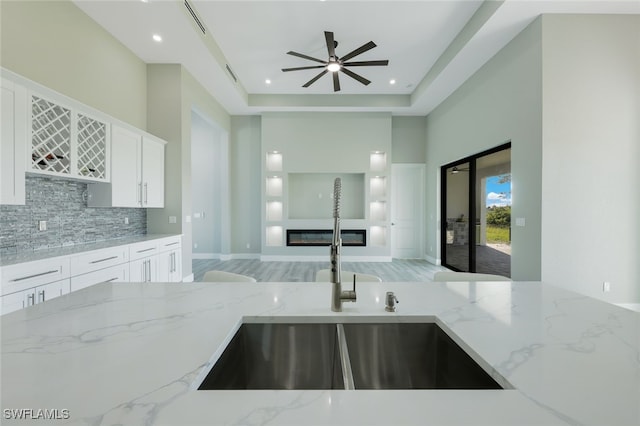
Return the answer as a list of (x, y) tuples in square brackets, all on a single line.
[(333, 66)]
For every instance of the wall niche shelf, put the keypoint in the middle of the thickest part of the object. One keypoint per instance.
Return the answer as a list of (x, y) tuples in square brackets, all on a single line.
[(274, 161)]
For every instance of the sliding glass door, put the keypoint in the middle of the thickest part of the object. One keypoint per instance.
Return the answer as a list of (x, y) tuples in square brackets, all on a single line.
[(476, 213)]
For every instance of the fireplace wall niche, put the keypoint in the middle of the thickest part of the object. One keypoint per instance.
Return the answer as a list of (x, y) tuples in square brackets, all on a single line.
[(310, 195)]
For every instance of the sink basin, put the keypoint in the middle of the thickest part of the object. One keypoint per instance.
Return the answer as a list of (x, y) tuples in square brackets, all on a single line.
[(411, 356), (279, 356), (345, 356)]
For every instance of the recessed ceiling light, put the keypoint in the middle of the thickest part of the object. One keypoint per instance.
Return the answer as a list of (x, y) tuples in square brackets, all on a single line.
[(392, 81), (157, 37), (144, 1), (267, 81)]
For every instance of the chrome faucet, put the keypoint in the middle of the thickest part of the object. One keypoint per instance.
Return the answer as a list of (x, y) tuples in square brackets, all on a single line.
[(337, 295)]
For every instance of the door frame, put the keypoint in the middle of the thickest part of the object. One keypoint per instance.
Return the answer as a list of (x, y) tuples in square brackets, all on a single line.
[(421, 204), (471, 204)]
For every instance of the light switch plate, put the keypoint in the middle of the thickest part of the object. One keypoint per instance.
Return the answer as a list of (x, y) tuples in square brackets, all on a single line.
[(520, 221), (172, 219), (42, 225)]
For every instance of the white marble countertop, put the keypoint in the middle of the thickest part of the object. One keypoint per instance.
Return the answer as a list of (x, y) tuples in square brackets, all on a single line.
[(131, 354), (32, 255)]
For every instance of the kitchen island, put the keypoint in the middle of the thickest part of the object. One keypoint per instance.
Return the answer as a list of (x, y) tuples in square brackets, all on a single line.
[(133, 354)]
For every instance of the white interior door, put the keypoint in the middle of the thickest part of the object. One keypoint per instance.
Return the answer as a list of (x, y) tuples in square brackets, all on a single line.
[(407, 211)]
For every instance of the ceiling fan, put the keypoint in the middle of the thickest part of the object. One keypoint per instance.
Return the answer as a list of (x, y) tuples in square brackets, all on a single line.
[(457, 169), (334, 63)]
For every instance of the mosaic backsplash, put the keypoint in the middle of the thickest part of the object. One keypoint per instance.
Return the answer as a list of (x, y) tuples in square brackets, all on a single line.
[(62, 203)]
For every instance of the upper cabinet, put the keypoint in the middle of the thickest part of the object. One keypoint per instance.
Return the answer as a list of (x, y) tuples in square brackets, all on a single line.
[(137, 172), (67, 141), (47, 133), (13, 136)]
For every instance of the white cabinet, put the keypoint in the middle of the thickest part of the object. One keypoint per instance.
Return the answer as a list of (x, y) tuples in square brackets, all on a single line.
[(67, 138), (137, 172), (155, 260), (170, 260), (143, 270), (118, 273), (25, 298), (26, 284), (143, 261), (98, 259), (12, 143), (152, 172)]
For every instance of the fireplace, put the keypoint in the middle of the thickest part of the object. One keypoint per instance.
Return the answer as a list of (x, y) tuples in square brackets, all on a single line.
[(323, 237)]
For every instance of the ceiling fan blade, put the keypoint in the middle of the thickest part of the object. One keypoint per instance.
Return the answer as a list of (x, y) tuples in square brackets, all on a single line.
[(366, 63), (336, 82), (358, 51), (303, 68), (313, 80), (355, 76), (300, 55), (331, 45)]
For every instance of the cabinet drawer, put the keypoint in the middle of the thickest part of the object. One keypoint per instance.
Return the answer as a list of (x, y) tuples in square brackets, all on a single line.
[(99, 259), (171, 243), (30, 274), (111, 274), (142, 250)]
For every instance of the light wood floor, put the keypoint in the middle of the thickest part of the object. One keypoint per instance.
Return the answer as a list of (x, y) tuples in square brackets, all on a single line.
[(397, 270)]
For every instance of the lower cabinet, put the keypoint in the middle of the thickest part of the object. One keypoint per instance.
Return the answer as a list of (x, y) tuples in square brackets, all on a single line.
[(170, 266), (25, 298), (111, 274), (143, 270), (30, 283)]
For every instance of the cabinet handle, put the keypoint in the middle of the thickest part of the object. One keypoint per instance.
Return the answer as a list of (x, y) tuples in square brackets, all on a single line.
[(104, 260), (31, 298), (172, 244), (111, 280), (34, 275), (145, 193), (149, 268), (144, 271), (149, 249), (41, 296), (139, 197)]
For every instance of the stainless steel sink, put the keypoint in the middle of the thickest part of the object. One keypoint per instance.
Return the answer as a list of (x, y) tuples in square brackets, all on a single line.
[(411, 356), (345, 356), (279, 356)]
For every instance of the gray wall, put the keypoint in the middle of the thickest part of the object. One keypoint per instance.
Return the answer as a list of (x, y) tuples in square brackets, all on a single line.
[(57, 45), (501, 102), (408, 135), (246, 185), (62, 203), (591, 154)]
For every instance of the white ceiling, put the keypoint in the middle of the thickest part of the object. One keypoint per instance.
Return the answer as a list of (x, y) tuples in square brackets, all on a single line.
[(432, 46)]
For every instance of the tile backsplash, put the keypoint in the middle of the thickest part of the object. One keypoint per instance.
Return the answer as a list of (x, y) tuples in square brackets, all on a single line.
[(62, 204)]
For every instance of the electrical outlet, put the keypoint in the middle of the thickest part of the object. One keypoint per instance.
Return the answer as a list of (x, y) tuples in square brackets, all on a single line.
[(42, 225), (126, 220), (195, 245), (248, 245), (172, 219), (606, 287)]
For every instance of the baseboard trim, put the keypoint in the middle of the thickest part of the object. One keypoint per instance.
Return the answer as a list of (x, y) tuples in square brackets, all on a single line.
[(632, 306), (245, 256), (188, 279), (288, 258), (205, 256), (432, 260)]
